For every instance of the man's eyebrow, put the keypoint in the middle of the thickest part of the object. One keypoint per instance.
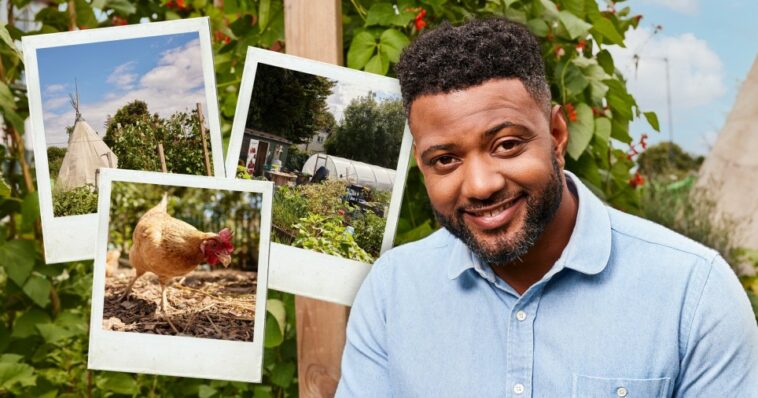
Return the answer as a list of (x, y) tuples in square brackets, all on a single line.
[(495, 129), (434, 148)]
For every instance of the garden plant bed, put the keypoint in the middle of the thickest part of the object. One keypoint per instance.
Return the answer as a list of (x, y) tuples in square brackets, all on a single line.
[(211, 304)]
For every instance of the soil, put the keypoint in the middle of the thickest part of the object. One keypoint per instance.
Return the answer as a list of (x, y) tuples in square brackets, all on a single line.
[(212, 304)]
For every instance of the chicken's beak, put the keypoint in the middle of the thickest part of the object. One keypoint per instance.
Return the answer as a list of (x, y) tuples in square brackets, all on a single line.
[(225, 259)]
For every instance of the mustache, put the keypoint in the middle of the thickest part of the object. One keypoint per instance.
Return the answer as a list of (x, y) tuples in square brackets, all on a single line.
[(496, 198)]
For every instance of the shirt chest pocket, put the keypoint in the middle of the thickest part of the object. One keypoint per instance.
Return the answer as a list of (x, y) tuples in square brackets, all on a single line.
[(600, 387)]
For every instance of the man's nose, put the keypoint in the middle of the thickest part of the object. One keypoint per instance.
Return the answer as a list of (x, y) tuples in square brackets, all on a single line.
[(481, 179)]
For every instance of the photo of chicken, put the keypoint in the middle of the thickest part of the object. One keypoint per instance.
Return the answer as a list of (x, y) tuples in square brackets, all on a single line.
[(183, 261), (169, 247)]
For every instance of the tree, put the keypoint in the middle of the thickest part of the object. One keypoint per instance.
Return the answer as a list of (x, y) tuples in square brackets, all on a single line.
[(667, 159), (289, 104), (370, 132), (128, 115), (55, 157)]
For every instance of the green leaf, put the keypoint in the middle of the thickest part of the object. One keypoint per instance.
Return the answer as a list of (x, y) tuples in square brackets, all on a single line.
[(123, 7), (380, 14), (264, 12), (53, 333), (37, 288), (603, 129), (581, 131), (574, 80), (8, 40), (5, 189), (273, 332), (277, 309), (26, 324), (283, 374), (652, 120), (84, 15), (120, 383), (574, 25), (206, 391), (17, 257), (576, 7), (29, 210), (391, 44), (605, 60), (262, 392), (5, 337), (361, 49), (605, 29), (12, 374), (538, 27), (378, 64)]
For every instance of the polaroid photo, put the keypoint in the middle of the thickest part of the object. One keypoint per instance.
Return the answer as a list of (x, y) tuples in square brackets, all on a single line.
[(137, 97), (180, 275), (336, 145)]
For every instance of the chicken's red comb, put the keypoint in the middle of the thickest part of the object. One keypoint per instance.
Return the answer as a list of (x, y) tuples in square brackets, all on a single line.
[(226, 238)]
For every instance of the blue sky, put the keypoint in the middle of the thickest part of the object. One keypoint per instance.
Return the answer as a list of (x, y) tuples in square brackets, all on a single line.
[(711, 46), (164, 71)]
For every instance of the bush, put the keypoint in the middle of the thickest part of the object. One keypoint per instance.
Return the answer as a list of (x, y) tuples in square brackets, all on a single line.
[(369, 232), (82, 200), (289, 207), (328, 235)]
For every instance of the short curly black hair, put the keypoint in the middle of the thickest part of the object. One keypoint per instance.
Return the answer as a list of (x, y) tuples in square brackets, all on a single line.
[(450, 58)]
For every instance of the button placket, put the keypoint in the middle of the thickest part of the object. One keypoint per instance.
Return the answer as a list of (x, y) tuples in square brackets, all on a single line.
[(521, 344)]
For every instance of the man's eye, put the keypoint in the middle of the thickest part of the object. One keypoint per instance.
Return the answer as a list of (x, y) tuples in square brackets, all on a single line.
[(443, 160), (508, 145)]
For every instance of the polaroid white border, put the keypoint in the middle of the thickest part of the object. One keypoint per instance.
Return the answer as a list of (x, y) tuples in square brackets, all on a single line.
[(181, 356), (306, 272), (57, 231)]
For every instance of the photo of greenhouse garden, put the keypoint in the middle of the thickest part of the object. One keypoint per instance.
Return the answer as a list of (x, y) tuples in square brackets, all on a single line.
[(331, 148)]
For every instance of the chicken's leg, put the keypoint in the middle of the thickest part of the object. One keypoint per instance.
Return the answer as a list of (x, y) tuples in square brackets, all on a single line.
[(137, 274), (164, 301)]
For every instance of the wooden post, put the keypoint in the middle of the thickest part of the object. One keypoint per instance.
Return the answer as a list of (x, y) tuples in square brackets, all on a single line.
[(163, 157), (201, 125), (313, 29)]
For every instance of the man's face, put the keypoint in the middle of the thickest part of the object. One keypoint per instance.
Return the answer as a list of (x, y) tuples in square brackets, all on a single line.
[(492, 164)]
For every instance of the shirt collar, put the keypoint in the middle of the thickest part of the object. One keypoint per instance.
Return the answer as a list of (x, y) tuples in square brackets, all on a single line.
[(587, 251)]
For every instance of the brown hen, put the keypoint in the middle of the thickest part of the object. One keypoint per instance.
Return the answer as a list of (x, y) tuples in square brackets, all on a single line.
[(169, 247)]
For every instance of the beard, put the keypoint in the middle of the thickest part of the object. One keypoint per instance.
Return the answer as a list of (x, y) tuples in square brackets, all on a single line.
[(540, 210)]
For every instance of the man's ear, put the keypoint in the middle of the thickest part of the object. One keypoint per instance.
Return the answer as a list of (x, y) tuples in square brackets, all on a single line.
[(559, 133)]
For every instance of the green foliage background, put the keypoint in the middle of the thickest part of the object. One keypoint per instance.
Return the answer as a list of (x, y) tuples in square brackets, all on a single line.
[(45, 308)]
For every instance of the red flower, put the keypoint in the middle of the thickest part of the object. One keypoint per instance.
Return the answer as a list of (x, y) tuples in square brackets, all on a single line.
[(637, 181), (643, 141), (580, 46), (170, 4), (571, 112), (559, 52), (419, 20), (118, 21), (181, 4)]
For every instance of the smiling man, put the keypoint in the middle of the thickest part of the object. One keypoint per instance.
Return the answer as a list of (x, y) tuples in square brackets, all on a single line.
[(534, 287)]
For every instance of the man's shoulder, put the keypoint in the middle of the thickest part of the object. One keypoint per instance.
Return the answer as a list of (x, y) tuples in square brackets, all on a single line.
[(636, 233), (419, 257)]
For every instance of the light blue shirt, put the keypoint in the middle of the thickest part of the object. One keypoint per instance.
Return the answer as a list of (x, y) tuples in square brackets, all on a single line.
[(629, 309)]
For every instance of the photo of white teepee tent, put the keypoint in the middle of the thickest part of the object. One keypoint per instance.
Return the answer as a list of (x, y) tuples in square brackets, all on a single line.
[(86, 153)]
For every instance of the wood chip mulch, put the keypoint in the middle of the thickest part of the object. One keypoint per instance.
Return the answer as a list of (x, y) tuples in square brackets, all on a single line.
[(211, 304)]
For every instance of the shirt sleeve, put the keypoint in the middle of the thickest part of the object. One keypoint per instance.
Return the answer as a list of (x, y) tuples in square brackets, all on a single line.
[(721, 354), (364, 361)]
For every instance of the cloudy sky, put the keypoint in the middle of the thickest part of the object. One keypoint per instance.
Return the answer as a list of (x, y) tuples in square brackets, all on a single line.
[(710, 45), (164, 71), (344, 92)]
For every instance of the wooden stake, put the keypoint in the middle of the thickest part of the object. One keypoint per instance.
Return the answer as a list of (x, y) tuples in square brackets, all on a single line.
[(163, 157), (313, 29), (201, 124)]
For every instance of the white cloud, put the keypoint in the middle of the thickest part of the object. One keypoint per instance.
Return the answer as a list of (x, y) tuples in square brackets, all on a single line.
[(696, 72), (56, 102), (175, 85), (54, 88), (688, 7), (179, 68), (123, 76)]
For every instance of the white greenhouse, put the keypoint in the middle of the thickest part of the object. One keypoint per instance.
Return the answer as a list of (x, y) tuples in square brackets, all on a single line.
[(352, 171)]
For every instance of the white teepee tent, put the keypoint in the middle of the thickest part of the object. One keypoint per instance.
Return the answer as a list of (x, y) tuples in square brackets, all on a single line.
[(731, 168), (85, 154)]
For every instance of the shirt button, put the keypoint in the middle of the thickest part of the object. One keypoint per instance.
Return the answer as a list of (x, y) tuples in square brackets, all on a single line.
[(621, 392), (518, 388), (521, 315)]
